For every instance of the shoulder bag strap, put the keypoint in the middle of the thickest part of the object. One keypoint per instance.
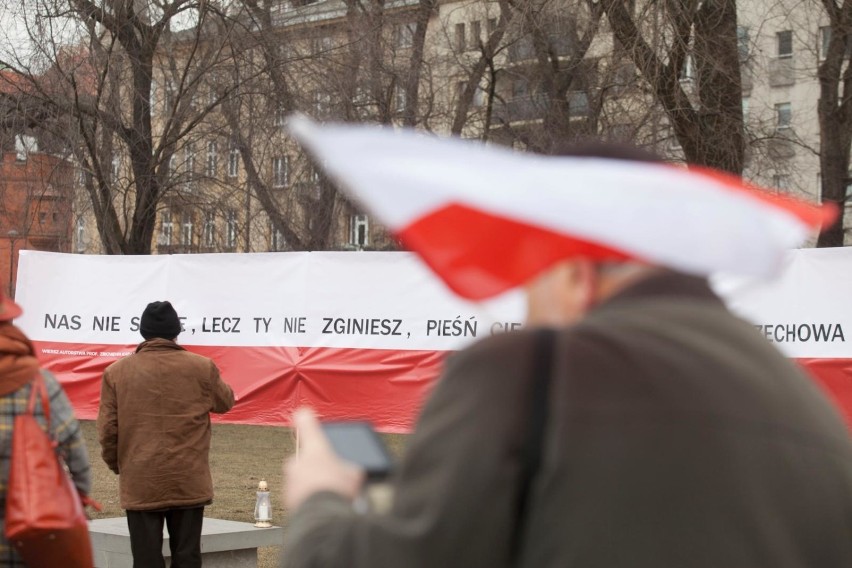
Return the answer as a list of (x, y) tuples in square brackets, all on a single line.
[(38, 389), (537, 421)]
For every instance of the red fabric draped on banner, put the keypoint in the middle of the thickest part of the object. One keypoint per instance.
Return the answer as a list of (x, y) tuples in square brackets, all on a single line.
[(384, 386), (835, 375)]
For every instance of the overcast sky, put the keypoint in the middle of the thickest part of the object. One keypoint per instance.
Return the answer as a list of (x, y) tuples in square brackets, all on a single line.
[(17, 27)]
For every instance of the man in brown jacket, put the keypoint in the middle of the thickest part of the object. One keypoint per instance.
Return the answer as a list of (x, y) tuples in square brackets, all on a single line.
[(659, 431), (154, 430)]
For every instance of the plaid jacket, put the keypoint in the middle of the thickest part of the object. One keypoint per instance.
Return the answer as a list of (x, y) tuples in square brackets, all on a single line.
[(65, 430)]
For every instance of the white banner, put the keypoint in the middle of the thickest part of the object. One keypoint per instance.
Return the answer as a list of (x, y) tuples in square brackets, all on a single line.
[(370, 300), (806, 312), (367, 300), (354, 335)]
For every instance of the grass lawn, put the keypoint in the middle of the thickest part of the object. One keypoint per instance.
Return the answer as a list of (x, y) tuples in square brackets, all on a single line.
[(240, 456)]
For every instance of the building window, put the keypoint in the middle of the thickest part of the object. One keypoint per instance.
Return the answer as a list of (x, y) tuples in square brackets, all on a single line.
[(24, 146), (688, 71), (115, 168), (520, 88), (189, 158), (480, 96), (460, 39), (825, 40), (362, 96), (276, 239), (166, 228), (322, 103), (42, 217), (212, 158), (81, 235), (231, 235), (360, 231), (785, 44), (460, 87), (209, 229), (746, 104), (492, 26), (233, 161), (578, 103), (783, 117), (781, 182), (743, 43), (405, 35), (279, 171), (475, 35), (401, 99), (280, 119), (186, 229), (170, 97), (322, 44)]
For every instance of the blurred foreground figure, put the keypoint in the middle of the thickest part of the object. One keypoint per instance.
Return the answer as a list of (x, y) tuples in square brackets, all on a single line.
[(665, 432), (18, 367), (154, 429)]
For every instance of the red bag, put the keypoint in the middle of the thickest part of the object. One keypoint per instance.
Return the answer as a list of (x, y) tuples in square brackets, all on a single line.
[(45, 518)]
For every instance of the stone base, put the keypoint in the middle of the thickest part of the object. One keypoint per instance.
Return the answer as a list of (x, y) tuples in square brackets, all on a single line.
[(224, 544)]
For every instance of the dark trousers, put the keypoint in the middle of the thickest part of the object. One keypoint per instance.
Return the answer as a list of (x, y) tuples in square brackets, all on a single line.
[(146, 537)]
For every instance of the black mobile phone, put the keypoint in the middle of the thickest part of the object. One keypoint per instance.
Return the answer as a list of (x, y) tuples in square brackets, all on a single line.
[(358, 443)]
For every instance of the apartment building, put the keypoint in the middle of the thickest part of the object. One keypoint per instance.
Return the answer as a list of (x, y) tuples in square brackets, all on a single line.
[(526, 79), (783, 43), (237, 171)]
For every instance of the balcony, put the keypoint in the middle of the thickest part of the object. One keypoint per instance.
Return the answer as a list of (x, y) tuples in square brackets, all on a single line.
[(524, 50), (534, 107), (781, 148), (308, 191), (781, 72)]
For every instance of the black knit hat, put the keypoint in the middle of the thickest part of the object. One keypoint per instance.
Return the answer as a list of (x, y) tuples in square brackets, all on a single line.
[(159, 320)]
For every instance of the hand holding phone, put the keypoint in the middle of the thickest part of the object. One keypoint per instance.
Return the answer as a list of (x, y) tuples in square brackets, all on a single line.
[(316, 466), (357, 442)]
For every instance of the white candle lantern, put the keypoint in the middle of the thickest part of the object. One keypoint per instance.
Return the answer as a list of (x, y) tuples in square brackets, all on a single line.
[(263, 506)]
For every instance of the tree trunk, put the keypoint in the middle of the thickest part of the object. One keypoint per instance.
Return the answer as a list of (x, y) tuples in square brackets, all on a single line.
[(711, 135), (835, 120)]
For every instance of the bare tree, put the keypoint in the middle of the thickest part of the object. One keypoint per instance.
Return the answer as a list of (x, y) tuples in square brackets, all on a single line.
[(835, 115), (35, 180), (666, 37), (363, 64), (298, 205), (106, 85), (550, 78)]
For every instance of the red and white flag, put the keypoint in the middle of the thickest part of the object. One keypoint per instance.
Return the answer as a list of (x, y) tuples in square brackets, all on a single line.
[(486, 218)]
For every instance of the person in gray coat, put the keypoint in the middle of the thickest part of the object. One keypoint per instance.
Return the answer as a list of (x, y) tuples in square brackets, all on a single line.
[(650, 427)]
